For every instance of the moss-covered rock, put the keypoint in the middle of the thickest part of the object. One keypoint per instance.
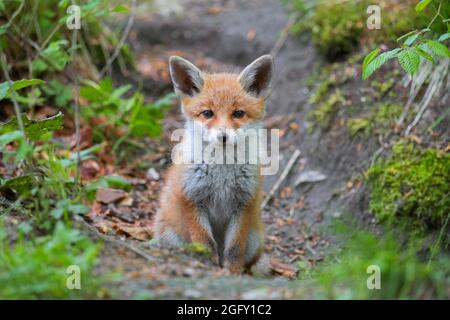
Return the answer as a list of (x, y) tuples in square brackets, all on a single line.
[(413, 184)]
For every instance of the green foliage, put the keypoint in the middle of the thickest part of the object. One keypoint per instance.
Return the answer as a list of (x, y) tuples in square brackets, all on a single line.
[(338, 27), (37, 269), (416, 44), (132, 114), (321, 91), (34, 129), (22, 151), (404, 275), (323, 114), (61, 93), (35, 35), (380, 119), (412, 184), (6, 88), (114, 182)]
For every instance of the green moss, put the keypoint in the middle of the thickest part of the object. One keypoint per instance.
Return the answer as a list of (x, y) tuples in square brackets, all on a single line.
[(321, 91), (382, 87), (379, 120), (336, 28), (414, 183), (324, 113), (197, 248), (359, 126)]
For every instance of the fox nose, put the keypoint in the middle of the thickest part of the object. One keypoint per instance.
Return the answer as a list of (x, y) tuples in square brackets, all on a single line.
[(222, 137)]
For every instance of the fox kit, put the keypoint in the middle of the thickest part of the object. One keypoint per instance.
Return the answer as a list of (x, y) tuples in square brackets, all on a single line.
[(217, 204)]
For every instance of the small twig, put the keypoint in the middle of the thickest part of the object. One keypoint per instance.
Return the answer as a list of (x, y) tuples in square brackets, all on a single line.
[(284, 35), (112, 240), (122, 39), (15, 14), (310, 249), (77, 110), (281, 178), (4, 64)]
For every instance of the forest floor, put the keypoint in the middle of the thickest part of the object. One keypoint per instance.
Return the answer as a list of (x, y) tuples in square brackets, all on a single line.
[(227, 35)]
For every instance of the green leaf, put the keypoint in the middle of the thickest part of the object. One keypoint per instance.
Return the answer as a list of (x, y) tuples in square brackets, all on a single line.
[(444, 37), (5, 88), (369, 58), (120, 9), (35, 129), (409, 60), (19, 184), (424, 54), (377, 62), (118, 182), (438, 48), (422, 5), (411, 39)]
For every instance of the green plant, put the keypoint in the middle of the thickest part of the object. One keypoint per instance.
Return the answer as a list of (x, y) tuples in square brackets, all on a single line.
[(36, 42), (323, 114), (38, 269), (415, 45), (339, 27), (131, 116), (403, 273), (380, 119)]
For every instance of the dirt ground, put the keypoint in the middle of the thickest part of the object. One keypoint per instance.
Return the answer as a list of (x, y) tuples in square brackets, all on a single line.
[(227, 35)]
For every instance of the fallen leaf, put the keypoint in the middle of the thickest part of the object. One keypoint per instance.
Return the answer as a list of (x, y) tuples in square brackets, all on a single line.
[(282, 269), (108, 195), (251, 35), (215, 10), (309, 176), (138, 233), (89, 169)]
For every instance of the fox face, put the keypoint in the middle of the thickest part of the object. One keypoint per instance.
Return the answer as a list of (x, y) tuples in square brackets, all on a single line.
[(223, 105)]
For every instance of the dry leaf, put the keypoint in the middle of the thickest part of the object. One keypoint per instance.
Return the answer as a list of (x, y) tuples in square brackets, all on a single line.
[(135, 232), (108, 195), (282, 269), (251, 35)]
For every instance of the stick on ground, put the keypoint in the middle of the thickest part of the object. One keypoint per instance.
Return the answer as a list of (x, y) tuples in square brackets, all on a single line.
[(282, 177)]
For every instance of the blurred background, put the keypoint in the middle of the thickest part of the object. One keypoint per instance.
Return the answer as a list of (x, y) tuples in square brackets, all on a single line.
[(86, 113)]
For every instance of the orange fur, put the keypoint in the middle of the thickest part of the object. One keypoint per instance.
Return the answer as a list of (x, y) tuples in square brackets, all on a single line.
[(178, 218)]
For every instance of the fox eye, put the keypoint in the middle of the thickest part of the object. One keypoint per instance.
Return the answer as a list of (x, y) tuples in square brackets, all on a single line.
[(238, 114), (207, 114)]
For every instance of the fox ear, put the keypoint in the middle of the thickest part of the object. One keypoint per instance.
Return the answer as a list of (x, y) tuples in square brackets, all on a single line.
[(256, 78), (187, 78)]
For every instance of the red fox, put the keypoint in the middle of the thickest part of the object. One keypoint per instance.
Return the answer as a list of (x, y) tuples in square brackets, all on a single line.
[(217, 204)]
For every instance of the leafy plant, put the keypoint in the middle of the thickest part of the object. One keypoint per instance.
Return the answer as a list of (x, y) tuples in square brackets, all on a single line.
[(131, 116), (403, 274), (415, 45), (38, 269)]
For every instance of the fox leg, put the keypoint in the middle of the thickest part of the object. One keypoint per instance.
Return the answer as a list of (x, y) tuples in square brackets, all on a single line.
[(244, 237), (179, 222)]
